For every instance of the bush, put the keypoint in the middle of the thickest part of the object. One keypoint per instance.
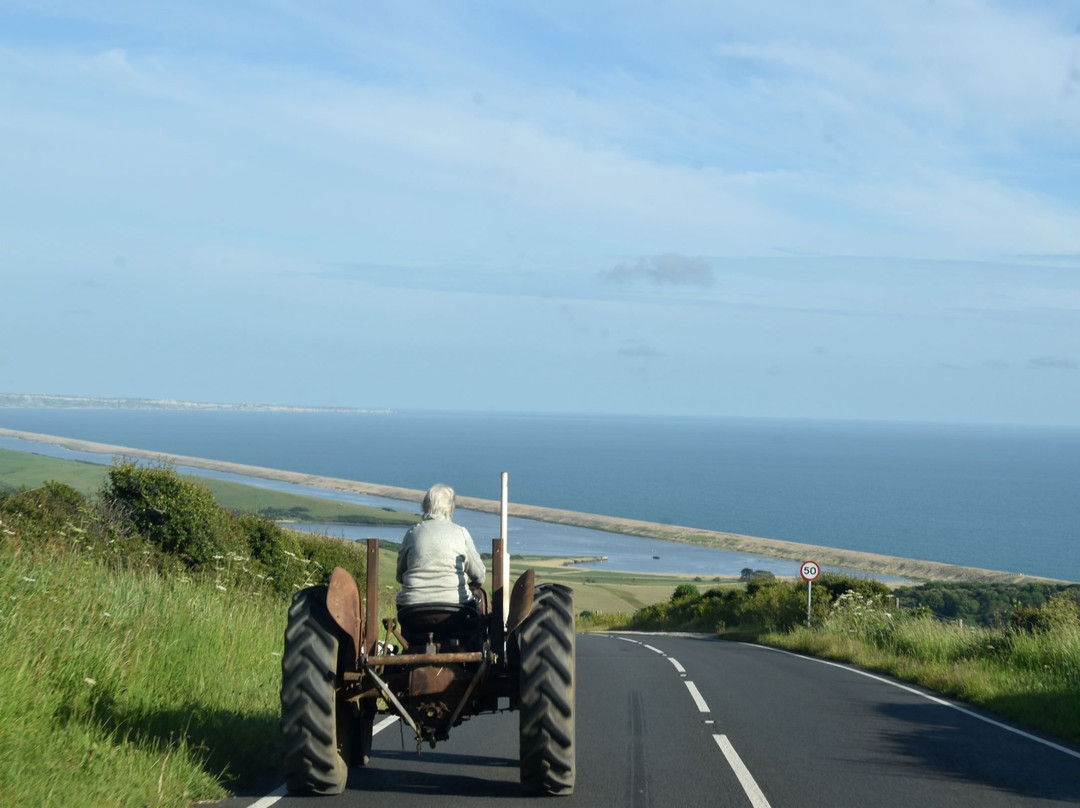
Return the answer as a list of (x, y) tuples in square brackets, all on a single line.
[(176, 513), (277, 552), (320, 554), (1061, 612), (836, 584), (56, 518), (762, 576), (51, 508), (685, 591), (771, 607), (857, 613)]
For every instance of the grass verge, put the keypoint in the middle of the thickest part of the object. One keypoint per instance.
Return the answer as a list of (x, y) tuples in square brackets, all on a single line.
[(131, 688)]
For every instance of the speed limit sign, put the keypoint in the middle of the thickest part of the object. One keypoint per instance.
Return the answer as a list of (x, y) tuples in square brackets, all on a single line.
[(809, 571)]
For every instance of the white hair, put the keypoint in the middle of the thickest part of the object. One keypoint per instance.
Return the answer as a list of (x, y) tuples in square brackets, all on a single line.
[(439, 501)]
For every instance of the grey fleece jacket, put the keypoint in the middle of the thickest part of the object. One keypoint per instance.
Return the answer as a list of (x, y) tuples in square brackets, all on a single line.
[(436, 562)]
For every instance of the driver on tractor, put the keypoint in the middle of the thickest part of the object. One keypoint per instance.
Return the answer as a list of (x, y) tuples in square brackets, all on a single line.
[(437, 567)]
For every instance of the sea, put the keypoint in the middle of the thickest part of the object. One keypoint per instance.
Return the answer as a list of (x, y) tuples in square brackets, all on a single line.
[(997, 497)]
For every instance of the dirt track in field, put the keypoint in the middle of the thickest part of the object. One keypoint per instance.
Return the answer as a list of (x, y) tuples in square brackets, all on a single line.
[(826, 556)]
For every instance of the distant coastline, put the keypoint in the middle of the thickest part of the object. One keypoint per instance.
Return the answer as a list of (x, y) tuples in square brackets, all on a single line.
[(900, 567), (45, 401)]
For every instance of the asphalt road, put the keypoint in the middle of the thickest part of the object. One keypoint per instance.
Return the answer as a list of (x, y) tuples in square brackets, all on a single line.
[(675, 720)]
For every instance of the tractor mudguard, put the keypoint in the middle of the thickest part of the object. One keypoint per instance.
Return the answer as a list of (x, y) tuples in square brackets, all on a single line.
[(343, 604), (521, 600)]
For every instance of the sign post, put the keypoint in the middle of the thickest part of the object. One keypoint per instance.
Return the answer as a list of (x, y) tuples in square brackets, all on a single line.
[(810, 571)]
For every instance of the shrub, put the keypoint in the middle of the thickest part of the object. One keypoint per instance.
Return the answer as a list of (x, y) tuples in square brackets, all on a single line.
[(1060, 612), (771, 607), (51, 507), (857, 613), (176, 513), (278, 553), (836, 584), (320, 554), (762, 576), (685, 591)]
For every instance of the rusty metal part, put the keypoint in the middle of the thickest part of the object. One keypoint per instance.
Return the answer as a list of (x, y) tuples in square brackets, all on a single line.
[(393, 700), (404, 660), (480, 598), (391, 626), (468, 694), (521, 599), (430, 680), (498, 597), (371, 605), (343, 603)]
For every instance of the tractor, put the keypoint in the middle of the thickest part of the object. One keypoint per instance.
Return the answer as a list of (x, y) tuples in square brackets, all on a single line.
[(436, 666)]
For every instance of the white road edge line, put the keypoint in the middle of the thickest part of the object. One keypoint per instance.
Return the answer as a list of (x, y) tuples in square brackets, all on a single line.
[(279, 792), (928, 697), (675, 662), (270, 798), (698, 700), (746, 780)]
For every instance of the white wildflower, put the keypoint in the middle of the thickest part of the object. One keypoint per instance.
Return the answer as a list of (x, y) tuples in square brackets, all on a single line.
[(106, 614), (90, 681)]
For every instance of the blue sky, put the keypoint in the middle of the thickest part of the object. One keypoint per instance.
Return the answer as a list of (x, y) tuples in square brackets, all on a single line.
[(829, 210)]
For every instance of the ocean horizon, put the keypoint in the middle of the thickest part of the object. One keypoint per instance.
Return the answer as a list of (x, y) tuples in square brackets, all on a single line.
[(995, 497)]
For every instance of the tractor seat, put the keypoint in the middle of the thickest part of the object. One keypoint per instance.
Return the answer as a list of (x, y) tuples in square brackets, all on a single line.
[(444, 620)]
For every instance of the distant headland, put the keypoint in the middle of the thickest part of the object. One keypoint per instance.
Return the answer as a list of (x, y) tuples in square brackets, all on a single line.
[(41, 401)]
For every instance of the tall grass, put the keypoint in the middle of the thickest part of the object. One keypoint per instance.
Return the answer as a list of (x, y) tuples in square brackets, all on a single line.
[(130, 688)]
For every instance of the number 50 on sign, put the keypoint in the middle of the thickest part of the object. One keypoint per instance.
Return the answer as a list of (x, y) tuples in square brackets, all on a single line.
[(810, 571)]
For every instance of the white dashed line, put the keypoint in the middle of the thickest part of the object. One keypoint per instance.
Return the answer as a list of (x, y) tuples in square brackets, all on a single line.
[(698, 700), (746, 780), (270, 798)]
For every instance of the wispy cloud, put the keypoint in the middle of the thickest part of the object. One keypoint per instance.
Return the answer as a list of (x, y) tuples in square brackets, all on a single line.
[(637, 349), (674, 270), (1052, 363)]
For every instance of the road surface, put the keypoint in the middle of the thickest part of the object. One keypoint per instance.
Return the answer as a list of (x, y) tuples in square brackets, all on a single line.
[(668, 720)]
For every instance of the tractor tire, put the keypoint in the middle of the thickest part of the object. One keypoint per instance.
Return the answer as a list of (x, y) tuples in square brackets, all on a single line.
[(313, 763), (546, 687)]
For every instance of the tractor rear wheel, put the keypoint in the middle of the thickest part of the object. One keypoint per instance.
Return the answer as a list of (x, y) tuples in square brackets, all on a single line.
[(546, 716), (313, 763)]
